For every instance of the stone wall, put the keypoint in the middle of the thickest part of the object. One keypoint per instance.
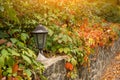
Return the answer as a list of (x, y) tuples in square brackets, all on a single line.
[(99, 61), (55, 69)]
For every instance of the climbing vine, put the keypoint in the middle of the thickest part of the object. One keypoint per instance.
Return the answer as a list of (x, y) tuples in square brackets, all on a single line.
[(75, 28)]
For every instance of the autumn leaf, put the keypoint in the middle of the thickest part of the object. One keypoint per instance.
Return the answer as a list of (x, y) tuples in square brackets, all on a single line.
[(9, 44), (69, 66), (86, 58), (2, 41), (15, 68)]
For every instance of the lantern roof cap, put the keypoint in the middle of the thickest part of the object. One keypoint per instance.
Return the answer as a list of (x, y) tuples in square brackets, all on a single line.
[(39, 30)]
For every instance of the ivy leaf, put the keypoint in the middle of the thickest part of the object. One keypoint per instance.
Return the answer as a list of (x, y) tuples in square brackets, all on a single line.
[(13, 40), (69, 39), (9, 70), (28, 72), (66, 50), (64, 38), (73, 61), (50, 32), (53, 49), (31, 53), (2, 61), (13, 52), (11, 13), (3, 34), (49, 43), (20, 44), (26, 58), (9, 61), (4, 52), (35, 62), (5, 73), (24, 36), (28, 54), (61, 50), (1, 8)]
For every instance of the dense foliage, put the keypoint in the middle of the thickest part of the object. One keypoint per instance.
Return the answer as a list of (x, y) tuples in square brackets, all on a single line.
[(75, 28)]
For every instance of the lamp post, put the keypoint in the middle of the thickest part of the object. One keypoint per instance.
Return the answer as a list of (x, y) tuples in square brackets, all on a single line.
[(40, 34)]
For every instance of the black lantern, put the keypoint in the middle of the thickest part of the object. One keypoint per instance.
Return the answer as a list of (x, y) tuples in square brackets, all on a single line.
[(40, 34)]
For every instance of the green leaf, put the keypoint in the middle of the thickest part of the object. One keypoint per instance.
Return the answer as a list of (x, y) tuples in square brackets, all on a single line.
[(26, 58), (50, 32), (9, 70), (30, 51), (13, 52), (73, 61), (24, 36), (11, 13), (13, 40), (3, 34), (49, 43), (61, 50), (20, 44), (28, 54), (28, 72), (14, 31), (66, 50), (4, 53), (14, 74), (2, 61), (1, 8), (64, 38), (5, 73), (53, 49), (9, 61), (35, 62), (69, 38)]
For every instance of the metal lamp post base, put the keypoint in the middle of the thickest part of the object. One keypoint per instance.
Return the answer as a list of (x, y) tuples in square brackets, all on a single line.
[(41, 57)]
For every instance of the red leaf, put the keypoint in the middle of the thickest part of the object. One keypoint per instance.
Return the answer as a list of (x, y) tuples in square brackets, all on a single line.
[(15, 68), (69, 66)]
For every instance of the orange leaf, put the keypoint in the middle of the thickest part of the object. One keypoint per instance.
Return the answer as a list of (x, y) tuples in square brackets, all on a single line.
[(69, 66), (85, 58), (12, 78), (15, 68)]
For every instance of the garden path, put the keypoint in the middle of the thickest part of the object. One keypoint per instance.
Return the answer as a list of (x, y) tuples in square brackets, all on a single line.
[(112, 71)]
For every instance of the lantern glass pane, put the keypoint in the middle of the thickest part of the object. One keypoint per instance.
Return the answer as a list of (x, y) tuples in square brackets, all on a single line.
[(36, 40), (40, 41), (44, 39)]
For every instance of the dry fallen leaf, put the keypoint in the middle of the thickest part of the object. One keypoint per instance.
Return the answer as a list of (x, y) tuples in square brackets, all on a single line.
[(2, 41), (9, 44)]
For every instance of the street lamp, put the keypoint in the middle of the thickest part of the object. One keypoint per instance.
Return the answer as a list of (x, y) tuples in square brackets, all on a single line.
[(40, 34)]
